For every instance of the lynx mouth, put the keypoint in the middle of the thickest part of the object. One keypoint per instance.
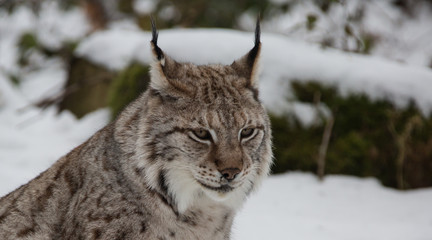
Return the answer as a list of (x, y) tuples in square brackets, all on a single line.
[(222, 189)]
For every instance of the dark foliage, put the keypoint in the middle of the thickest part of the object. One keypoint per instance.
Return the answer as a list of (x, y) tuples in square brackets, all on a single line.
[(362, 141), (127, 86)]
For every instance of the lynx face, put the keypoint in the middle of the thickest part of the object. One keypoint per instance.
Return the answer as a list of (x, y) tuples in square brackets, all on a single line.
[(218, 137), (205, 134)]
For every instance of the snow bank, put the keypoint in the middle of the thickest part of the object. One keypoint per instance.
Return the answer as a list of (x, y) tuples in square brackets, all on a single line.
[(49, 31), (283, 60), (399, 33), (32, 139), (297, 206)]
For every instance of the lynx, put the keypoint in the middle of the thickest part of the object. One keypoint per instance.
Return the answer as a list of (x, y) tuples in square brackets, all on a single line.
[(177, 163)]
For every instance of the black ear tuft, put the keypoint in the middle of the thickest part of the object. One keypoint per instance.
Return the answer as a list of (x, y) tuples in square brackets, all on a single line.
[(257, 32), (253, 53), (247, 65), (157, 51)]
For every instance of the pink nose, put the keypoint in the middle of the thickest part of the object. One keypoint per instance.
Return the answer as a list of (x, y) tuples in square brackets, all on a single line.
[(230, 173)]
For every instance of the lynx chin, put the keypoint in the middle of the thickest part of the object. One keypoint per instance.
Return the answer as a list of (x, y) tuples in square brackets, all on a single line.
[(177, 163)]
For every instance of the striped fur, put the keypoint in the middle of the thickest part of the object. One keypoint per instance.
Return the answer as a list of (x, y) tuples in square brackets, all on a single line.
[(177, 163)]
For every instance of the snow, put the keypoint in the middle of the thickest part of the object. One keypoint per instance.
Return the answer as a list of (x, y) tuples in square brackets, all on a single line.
[(11, 27), (308, 114), (52, 33), (104, 48), (48, 80), (31, 140), (282, 60), (289, 206), (396, 35), (144, 6), (298, 206)]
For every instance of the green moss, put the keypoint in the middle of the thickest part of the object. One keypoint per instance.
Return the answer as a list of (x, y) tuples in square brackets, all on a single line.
[(26, 43), (127, 86), (14, 79), (69, 4), (125, 6), (86, 88), (294, 147), (347, 155), (311, 21), (368, 42), (361, 143)]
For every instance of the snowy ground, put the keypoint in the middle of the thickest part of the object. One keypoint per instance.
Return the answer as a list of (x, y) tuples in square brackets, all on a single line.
[(297, 206)]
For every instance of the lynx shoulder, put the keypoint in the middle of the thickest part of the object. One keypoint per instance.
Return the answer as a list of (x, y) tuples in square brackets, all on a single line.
[(177, 163)]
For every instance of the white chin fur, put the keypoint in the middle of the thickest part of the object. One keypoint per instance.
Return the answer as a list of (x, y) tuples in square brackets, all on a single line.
[(188, 192), (233, 199), (182, 187), (216, 196)]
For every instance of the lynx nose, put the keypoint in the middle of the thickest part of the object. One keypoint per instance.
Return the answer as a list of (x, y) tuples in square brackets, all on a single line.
[(230, 173)]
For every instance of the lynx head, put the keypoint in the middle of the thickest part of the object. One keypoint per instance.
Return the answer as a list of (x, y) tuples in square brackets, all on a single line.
[(203, 133)]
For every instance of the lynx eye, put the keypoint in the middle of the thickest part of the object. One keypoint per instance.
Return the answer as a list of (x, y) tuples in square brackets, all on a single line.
[(202, 134), (247, 132)]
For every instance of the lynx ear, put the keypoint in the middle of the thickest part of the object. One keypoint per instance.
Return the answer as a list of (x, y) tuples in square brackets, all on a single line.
[(163, 67), (157, 52), (247, 66)]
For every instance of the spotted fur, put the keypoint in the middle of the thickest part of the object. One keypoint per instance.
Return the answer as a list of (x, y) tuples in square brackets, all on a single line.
[(177, 163)]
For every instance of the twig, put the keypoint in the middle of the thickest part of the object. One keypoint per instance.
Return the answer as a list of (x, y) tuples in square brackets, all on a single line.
[(323, 147), (322, 152), (401, 141)]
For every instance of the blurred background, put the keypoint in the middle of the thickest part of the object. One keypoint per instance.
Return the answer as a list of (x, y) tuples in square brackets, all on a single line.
[(324, 131), (347, 84)]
